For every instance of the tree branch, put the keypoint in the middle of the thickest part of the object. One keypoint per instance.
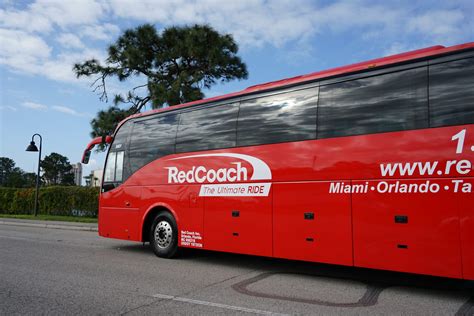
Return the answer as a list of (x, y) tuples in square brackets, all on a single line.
[(102, 95)]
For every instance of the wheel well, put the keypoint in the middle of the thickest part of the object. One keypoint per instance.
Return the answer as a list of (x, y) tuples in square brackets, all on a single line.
[(149, 221)]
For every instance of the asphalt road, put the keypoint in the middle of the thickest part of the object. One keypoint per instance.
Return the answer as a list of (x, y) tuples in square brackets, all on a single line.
[(49, 271)]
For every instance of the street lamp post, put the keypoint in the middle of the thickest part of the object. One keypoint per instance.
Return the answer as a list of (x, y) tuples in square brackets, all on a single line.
[(32, 147)]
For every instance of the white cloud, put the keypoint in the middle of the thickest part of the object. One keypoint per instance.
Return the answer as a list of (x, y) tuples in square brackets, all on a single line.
[(442, 25), (67, 110), (42, 107), (42, 15), (20, 49), (101, 32), (253, 23), (25, 20), (27, 36), (29, 53), (34, 106), (69, 40), (27, 44), (59, 68), (71, 12), (8, 107), (399, 47)]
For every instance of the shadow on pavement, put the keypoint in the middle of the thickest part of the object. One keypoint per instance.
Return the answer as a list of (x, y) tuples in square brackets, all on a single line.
[(272, 265)]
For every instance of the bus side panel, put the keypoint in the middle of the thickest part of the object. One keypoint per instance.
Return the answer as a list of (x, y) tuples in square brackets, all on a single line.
[(239, 224), (312, 224), (119, 213), (466, 206), (408, 232), (187, 207)]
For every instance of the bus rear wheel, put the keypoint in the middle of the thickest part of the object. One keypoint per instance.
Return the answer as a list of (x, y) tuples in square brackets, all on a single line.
[(164, 236)]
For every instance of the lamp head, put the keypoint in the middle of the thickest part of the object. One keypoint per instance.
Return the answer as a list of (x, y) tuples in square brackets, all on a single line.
[(32, 147)]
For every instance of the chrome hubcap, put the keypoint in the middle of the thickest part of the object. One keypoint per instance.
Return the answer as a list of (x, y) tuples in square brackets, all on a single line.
[(163, 234)]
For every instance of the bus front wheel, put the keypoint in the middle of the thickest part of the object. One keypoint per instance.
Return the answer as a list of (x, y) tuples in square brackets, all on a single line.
[(164, 236)]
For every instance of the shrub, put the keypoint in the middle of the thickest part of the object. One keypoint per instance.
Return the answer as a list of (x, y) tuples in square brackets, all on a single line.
[(6, 199), (23, 201), (53, 200)]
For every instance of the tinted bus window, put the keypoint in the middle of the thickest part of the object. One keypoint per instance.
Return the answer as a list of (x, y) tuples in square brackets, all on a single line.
[(384, 103), (151, 139), (119, 166), (207, 128), (116, 169), (452, 93), (109, 174), (278, 118), (121, 137)]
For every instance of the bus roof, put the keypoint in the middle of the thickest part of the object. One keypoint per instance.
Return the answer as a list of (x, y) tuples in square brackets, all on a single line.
[(370, 64)]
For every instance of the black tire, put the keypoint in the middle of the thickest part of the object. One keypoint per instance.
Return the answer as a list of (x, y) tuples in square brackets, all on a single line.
[(164, 235)]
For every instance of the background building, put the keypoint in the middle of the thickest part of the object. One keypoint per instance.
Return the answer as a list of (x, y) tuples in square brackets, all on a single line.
[(94, 179), (97, 180), (77, 170)]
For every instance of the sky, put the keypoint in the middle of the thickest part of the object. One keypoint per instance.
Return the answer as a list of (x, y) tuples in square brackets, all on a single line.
[(41, 40)]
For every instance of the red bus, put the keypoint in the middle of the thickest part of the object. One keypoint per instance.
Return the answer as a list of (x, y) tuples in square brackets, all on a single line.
[(367, 165)]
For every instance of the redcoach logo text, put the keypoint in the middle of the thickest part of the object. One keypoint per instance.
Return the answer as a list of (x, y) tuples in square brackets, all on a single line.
[(201, 174), (226, 181)]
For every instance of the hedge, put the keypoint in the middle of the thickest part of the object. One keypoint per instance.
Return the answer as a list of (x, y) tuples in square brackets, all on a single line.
[(53, 200)]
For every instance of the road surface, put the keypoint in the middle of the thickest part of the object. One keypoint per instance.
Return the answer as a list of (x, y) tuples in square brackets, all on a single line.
[(52, 271)]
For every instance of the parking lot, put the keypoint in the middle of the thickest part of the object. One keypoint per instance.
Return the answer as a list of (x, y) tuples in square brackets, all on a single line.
[(53, 271)]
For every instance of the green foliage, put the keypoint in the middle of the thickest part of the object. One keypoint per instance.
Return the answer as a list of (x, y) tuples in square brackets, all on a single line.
[(76, 219), (53, 200), (176, 64), (6, 168), (106, 121), (14, 177), (23, 201), (57, 170), (7, 196), (29, 179)]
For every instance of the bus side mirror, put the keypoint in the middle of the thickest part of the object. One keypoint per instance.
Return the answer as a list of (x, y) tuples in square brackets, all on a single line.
[(106, 139), (86, 156), (98, 140)]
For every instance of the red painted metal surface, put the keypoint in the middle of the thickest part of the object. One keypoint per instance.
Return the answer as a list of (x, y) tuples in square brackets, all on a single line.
[(325, 235), (94, 142), (345, 181), (119, 211), (465, 204), (253, 199), (428, 243), (249, 231), (181, 200)]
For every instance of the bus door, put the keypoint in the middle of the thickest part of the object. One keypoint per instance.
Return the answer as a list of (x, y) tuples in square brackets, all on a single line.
[(118, 209)]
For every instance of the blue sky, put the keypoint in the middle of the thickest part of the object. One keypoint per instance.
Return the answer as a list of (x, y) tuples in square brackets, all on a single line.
[(41, 40)]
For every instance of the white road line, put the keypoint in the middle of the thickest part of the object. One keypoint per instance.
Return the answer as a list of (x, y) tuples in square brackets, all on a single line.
[(212, 304)]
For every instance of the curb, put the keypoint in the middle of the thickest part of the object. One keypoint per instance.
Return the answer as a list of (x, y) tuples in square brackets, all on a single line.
[(50, 226)]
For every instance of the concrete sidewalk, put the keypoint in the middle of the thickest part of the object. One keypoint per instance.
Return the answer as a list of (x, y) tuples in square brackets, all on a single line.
[(49, 224)]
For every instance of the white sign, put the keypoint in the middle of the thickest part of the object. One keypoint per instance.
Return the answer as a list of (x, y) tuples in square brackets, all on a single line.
[(235, 189), (228, 177)]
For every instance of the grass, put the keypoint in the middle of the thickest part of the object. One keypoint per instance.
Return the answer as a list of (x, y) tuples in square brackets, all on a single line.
[(52, 218)]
